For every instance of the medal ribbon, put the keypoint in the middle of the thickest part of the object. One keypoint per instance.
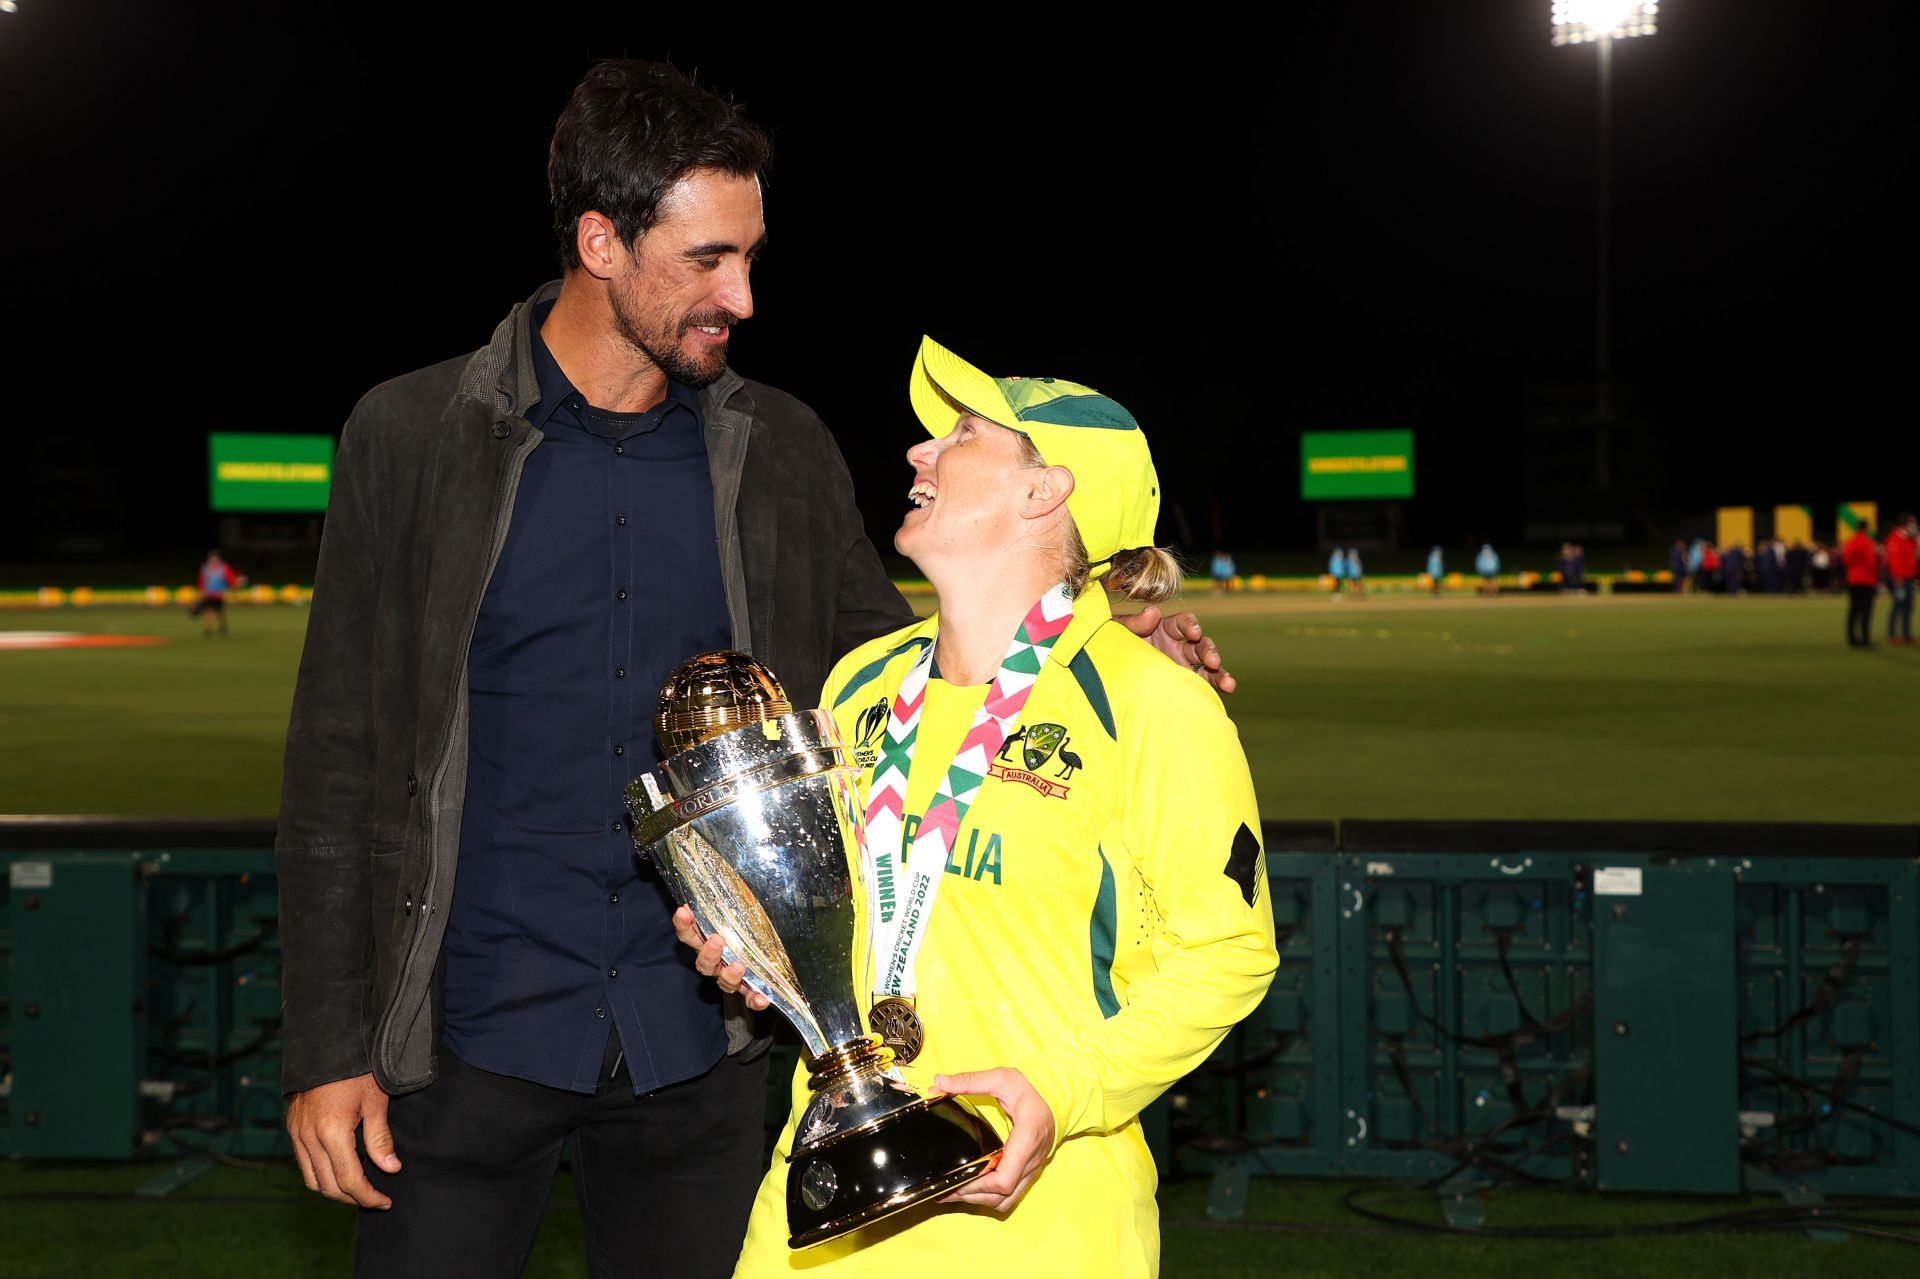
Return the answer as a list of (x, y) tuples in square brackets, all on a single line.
[(900, 897)]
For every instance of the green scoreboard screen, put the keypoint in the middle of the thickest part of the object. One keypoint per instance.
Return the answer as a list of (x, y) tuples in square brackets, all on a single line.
[(1356, 464), (250, 472)]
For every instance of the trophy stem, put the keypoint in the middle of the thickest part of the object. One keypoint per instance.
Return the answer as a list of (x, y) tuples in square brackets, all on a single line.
[(841, 1065)]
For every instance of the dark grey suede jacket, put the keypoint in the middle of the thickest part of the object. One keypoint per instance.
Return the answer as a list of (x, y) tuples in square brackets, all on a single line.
[(376, 761)]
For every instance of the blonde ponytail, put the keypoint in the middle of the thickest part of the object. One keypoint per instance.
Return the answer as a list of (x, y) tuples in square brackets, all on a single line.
[(1146, 574)]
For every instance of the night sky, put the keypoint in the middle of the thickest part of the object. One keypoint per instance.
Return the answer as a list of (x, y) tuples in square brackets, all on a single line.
[(225, 217)]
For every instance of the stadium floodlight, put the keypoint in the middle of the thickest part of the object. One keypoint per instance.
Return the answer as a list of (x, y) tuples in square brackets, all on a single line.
[(1600, 23), (1580, 21)]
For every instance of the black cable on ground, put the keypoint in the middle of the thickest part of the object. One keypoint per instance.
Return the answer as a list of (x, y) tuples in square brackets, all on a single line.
[(1750, 1219)]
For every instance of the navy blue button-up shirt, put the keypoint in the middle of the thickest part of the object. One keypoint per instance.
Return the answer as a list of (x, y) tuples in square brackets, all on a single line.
[(609, 578)]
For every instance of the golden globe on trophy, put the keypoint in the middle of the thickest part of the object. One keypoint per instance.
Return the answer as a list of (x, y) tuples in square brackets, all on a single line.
[(754, 821)]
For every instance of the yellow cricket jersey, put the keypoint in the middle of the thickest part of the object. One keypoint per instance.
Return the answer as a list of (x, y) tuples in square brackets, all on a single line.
[(1101, 923)]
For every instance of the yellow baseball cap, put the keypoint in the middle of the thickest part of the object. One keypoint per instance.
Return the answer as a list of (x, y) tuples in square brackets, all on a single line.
[(1116, 493)]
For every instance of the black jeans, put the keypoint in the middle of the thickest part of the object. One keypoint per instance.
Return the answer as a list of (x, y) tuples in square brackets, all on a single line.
[(664, 1181), (1860, 614)]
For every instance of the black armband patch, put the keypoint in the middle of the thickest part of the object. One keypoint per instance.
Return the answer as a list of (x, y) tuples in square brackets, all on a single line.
[(1243, 863)]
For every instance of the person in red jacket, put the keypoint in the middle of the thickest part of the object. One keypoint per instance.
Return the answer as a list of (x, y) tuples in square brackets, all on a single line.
[(1903, 565), (1861, 554)]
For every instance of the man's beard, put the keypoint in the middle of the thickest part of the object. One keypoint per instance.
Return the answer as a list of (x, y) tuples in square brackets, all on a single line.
[(664, 348)]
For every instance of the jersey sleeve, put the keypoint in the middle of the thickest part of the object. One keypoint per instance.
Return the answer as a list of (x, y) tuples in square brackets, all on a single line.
[(1193, 830)]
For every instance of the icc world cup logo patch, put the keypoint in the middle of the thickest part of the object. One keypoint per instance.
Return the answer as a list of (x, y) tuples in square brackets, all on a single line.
[(867, 731), (1045, 752)]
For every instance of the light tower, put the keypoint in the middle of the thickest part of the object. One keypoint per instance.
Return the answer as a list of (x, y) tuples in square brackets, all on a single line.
[(1601, 22)]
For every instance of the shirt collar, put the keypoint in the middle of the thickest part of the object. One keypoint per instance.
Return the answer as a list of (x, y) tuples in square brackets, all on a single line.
[(556, 388), (1091, 611)]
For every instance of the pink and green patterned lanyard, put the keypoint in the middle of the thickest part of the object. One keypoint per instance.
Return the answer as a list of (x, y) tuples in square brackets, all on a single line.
[(901, 897)]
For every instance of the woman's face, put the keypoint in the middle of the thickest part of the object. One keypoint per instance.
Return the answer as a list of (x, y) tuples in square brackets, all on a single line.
[(966, 493)]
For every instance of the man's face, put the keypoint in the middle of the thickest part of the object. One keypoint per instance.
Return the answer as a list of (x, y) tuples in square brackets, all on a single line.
[(684, 286)]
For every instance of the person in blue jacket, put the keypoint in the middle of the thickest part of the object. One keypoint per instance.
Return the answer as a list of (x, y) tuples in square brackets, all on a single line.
[(1436, 567), (1487, 564), (1337, 568)]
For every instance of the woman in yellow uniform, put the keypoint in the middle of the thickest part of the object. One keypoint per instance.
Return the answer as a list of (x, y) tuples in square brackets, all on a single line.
[(1072, 814)]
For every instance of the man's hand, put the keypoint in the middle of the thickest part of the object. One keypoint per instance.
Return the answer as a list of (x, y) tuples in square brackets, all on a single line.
[(322, 1121), (1029, 1145), (731, 977), (1181, 639)]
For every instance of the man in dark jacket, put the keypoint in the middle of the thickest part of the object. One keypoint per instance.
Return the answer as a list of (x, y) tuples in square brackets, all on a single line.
[(520, 544)]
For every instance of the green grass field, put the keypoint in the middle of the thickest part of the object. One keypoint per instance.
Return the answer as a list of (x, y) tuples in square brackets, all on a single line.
[(1395, 707), (1643, 707), (241, 1224)]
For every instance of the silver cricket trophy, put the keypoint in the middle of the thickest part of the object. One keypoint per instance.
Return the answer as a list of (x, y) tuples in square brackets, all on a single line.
[(754, 821)]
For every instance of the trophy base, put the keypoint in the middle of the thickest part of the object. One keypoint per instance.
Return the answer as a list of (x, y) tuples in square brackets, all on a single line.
[(918, 1152)]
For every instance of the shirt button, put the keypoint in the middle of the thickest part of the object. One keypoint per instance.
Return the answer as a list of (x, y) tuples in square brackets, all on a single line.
[(501, 430), (615, 899), (575, 404), (619, 595), (600, 1013), (619, 672), (616, 828), (619, 749), (620, 519), (613, 972), (620, 449)]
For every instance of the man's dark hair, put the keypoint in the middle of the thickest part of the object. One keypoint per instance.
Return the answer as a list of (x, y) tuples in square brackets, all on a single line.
[(629, 132)]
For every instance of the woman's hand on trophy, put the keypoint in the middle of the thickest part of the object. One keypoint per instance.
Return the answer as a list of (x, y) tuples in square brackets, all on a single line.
[(732, 978), (1029, 1144)]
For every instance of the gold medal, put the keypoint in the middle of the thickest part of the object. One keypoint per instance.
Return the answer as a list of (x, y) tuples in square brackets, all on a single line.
[(899, 1028)]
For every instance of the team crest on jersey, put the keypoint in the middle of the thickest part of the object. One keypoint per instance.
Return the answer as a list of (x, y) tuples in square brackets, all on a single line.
[(1047, 752), (867, 732)]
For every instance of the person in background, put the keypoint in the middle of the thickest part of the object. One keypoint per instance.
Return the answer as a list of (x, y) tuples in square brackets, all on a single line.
[(1697, 566), (1221, 569), (1677, 564), (1577, 563), (1861, 556), (1487, 564), (1733, 569), (1436, 567), (1356, 574), (1903, 564), (1337, 568), (217, 577), (1766, 566), (1820, 566), (1710, 568), (1799, 565)]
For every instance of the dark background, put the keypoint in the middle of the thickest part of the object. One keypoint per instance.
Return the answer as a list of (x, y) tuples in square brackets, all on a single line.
[(240, 217)]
